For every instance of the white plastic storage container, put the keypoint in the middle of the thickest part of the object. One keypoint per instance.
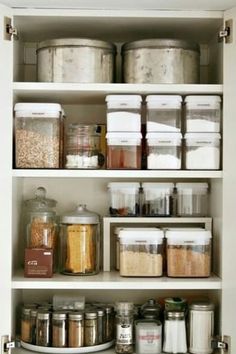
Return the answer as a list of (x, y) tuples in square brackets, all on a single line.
[(123, 150), (192, 199), (164, 151), (141, 252), (164, 113), (202, 151), (203, 114), (38, 135), (123, 113), (188, 252), (157, 199), (124, 198)]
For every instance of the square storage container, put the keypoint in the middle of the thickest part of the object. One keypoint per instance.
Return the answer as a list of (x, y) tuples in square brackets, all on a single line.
[(123, 150), (188, 252), (141, 252), (164, 113), (202, 151), (157, 199), (123, 113), (203, 114), (124, 198), (192, 199), (38, 135), (164, 151)]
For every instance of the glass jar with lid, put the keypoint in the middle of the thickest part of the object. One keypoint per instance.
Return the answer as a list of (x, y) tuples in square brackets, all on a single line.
[(83, 146), (40, 222), (80, 242), (124, 327), (175, 338)]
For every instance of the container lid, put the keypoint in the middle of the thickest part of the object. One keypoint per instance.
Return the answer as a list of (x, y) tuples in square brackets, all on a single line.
[(156, 185), (141, 235), (58, 315), (81, 215), (202, 99), (164, 139), (43, 315), (76, 315), (188, 236), (190, 188), (126, 101), (48, 110), (89, 315), (202, 306), (123, 186), (151, 309), (40, 203), (177, 315), (164, 101), (77, 42), (123, 135), (202, 136), (124, 307), (100, 312), (161, 43)]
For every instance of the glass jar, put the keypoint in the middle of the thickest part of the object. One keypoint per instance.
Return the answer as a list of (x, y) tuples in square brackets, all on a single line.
[(101, 325), (25, 325), (83, 146), (80, 242), (59, 329), (148, 336), (192, 199), (76, 330), (201, 327), (33, 318), (109, 323), (151, 309), (175, 340), (91, 328), (38, 135), (43, 329), (124, 327)]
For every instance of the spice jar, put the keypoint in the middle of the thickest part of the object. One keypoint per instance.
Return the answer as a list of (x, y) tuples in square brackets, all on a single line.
[(33, 318), (109, 323), (201, 327), (43, 326), (124, 327), (59, 329), (101, 325), (76, 330), (91, 328), (175, 340), (80, 239), (25, 325), (83, 146)]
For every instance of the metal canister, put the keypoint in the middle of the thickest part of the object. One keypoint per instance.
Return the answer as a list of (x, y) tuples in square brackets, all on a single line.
[(161, 61), (76, 330), (59, 329), (201, 327)]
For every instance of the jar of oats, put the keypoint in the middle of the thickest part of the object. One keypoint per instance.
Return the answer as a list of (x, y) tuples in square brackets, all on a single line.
[(38, 135)]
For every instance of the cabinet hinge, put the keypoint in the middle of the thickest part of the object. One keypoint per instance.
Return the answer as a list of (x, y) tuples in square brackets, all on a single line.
[(221, 344), (9, 30), (227, 33), (7, 344)]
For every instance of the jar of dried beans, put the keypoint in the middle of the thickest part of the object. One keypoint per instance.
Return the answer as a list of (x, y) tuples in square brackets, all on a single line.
[(38, 135)]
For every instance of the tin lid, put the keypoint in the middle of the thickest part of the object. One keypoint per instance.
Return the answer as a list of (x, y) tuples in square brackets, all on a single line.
[(26, 311), (175, 315), (109, 309), (81, 215), (89, 315), (43, 315), (76, 315), (100, 312), (77, 42), (40, 203), (202, 306), (59, 315), (33, 313), (161, 43)]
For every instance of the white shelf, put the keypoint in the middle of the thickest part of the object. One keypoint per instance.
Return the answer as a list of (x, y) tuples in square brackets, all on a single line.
[(134, 174), (112, 280), (95, 93)]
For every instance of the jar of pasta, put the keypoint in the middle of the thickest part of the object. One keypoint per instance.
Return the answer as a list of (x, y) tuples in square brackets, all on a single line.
[(79, 242)]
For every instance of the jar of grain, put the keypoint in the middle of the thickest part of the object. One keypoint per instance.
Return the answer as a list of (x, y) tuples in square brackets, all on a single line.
[(38, 135), (40, 221), (79, 242), (76, 330)]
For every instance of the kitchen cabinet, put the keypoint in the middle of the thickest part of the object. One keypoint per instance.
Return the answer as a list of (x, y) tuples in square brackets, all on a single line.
[(85, 103)]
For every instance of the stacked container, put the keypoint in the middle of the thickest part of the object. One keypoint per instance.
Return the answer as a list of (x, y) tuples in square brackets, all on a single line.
[(124, 198), (124, 131), (157, 199), (202, 138), (163, 136), (192, 199)]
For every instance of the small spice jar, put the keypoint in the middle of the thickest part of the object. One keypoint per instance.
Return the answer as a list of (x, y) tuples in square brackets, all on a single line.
[(124, 327), (101, 325), (91, 328), (43, 327), (59, 329), (80, 238), (33, 318), (76, 330), (109, 323), (175, 340), (25, 325)]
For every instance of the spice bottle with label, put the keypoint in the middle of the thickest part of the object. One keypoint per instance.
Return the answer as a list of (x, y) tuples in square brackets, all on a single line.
[(124, 327), (59, 329), (148, 336), (76, 330), (91, 328), (43, 326)]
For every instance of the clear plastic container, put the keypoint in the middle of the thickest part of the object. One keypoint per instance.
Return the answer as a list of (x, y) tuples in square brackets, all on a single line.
[(38, 135), (124, 198), (202, 151), (124, 150), (157, 199), (141, 252), (203, 114), (164, 113), (192, 199), (164, 151), (123, 113), (188, 252), (83, 147)]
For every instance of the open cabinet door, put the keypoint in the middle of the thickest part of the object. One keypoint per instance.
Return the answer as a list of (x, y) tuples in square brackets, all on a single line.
[(229, 185), (6, 67)]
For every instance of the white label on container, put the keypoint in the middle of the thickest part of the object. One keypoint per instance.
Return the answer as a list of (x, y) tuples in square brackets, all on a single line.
[(124, 334), (149, 341)]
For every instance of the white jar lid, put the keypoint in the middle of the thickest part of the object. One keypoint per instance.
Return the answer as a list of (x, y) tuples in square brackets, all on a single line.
[(155, 185), (164, 101), (123, 101), (202, 138), (141, 236), (190, 188), (123, 138), (164, 139), (202, 102), (188, 237), (49, 110), (123, 186)]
